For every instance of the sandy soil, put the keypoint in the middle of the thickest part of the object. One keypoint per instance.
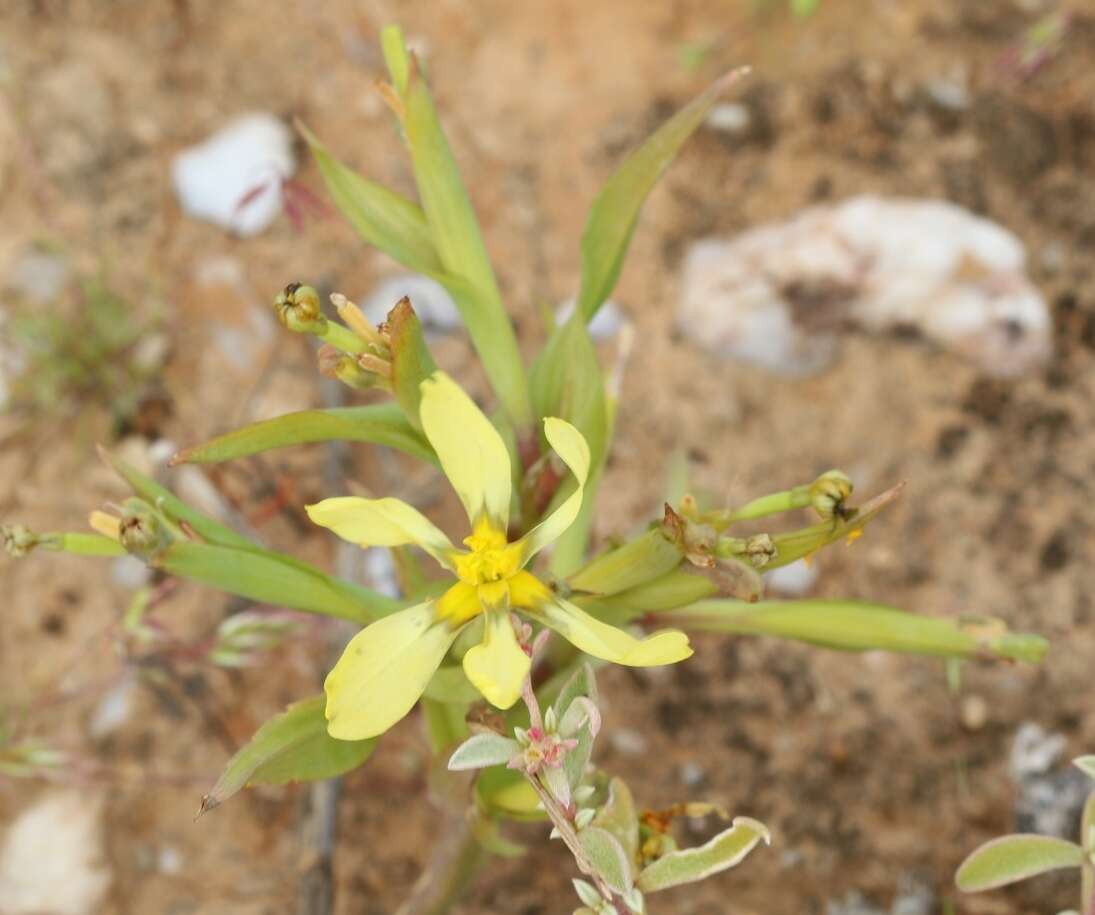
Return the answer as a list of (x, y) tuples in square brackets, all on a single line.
[(861, 765)]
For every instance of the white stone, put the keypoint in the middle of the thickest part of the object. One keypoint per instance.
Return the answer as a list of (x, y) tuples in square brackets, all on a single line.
[(778, 295), (606, 324), (729, 117), (794, 579), (234, 178), (430, 300), (113, 709), (1034, 752), (52, 862)]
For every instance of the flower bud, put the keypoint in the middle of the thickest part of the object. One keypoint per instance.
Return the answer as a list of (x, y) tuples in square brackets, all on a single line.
[(829, 492), (298, 309), (18, 540), (142, 532)]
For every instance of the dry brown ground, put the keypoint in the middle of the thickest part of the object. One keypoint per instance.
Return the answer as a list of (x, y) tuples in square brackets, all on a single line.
[(859, 764)]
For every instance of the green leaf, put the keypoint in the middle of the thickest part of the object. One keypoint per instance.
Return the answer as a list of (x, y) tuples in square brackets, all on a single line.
[(381, 217), (273, 578), (724, 851), (638, 562), (582, 683), (172, 506), (677, 588), (508, 792), (616, 210), (607, 857), (412, 362), (446, 723), (80, 544), (804, 8), (380, 424), (467, 273), (858, 626), (1085, 764), (483, 750), (293, 746), (618, 816), (1010, 859)]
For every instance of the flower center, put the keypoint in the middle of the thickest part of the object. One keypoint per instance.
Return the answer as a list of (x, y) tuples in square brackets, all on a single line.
[(491, 558)]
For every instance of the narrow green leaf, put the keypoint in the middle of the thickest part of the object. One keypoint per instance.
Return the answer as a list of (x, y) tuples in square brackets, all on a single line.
[(446, 723), (1010, 859), (677, 588), (1085, 764), (273, 578), (724, 851), (380, 424), (582, 683), (637, 562), (483, 750), (1087, 838), (395, 56), (380, 216), (616, 210), (607, 857), (172, 506), (412, 362), (858, 626), (291, 747), (467, 274)]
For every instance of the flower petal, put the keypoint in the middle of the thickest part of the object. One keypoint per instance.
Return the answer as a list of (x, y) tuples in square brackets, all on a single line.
[(607, 642), (571, 446), (498, 665), (382, 522), (384, 670), (471, 451), (459, 603)]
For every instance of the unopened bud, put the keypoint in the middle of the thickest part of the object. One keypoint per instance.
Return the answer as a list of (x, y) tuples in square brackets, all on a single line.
[(760, 550), (298, 309), (142, 532), (18, 540), (585, 817), (333, 363), (828, 494)]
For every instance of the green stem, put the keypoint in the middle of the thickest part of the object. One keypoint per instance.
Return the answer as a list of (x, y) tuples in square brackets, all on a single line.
[(342, 338)]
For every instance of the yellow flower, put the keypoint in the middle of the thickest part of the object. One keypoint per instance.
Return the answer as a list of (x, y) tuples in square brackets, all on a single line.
[(387, 665)]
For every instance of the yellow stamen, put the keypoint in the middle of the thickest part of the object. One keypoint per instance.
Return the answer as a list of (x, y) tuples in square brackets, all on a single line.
[(107, 525)]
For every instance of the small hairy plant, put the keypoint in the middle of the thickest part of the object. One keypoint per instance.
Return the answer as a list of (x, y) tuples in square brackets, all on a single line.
[(1012, 859), (468, 649)]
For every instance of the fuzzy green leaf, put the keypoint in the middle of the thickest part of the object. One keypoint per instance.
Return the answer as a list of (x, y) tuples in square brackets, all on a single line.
[(616, 210), (859, 626), (1010, 859), (273, 578), (608, 857), (724, 851), (293, 746), (582, 683), (618, 817), (381, 217), (380, 424), (483, 750)]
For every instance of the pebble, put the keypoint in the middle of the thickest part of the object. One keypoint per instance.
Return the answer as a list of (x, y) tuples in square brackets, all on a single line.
[(52, 858), (606, 324), (1034, 752), (779, 295), (130, 572), (729, 117), (628, 742), (114, 709), (234, 178), (692, 774), (795, 579), (973, 712), (1049, 799), (430, 300)]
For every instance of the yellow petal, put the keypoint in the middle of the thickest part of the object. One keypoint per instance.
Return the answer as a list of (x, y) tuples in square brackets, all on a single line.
[(384, 670), (497, 666), (382, 522), (471, 451), (459, 603), (569, 444), (607, 642)]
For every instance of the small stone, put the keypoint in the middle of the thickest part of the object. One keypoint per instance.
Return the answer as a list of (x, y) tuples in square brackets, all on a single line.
[(169, 861), (234, 178), (973, 712), (52, 857), (130, 572), (794, 579), (628, 742), (948, 94), (113, 709), (1034, 752), (729, 117), (606, 324), (692, 774)]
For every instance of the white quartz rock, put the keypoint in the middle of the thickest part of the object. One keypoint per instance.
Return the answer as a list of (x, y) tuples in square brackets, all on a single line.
[(234, 178), (52, 857), (778, 295)]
